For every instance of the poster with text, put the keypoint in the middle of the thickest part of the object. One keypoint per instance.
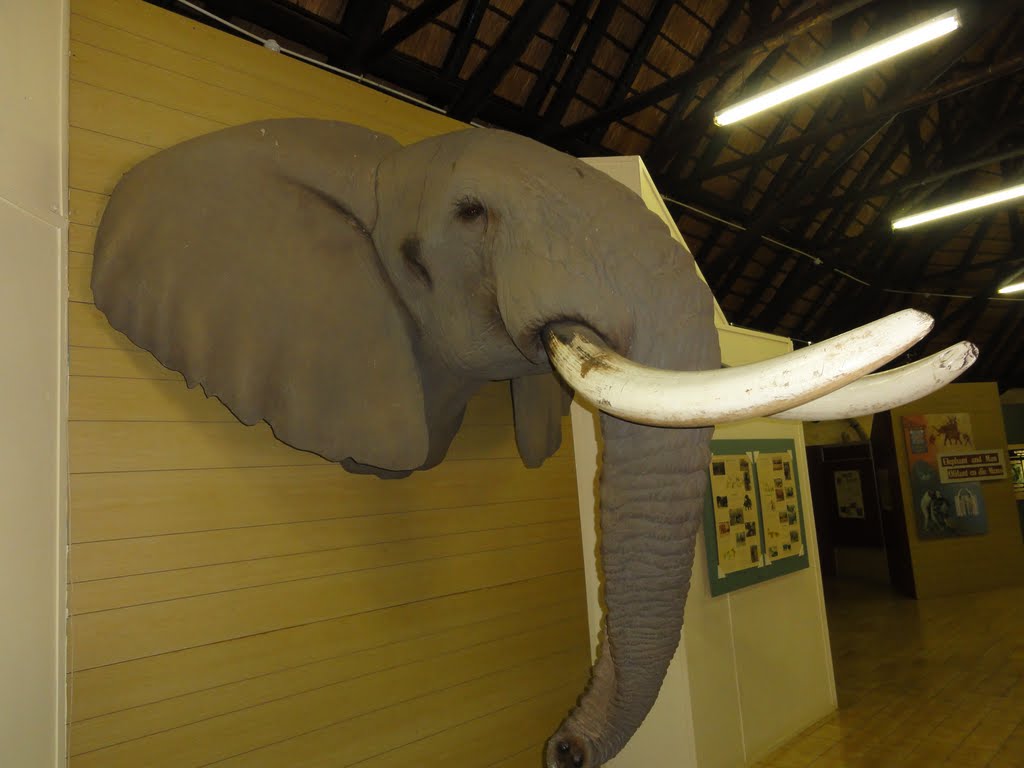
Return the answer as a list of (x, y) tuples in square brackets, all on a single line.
[(942, 510), (736, 512), (780, 508), (1015, 459), (849, 494)]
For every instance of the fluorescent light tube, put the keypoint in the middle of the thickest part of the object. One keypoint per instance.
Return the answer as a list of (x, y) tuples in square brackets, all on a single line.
[(847, 65), (1012, 287), (992, 198)]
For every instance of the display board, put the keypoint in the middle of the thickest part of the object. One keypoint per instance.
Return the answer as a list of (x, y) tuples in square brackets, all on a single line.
[(945, 467), (753, 514)]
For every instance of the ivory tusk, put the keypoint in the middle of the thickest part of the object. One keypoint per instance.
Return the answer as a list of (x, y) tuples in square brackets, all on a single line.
[(883, 391), (645, 395)]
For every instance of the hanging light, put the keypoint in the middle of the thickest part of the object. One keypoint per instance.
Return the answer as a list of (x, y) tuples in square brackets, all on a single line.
[(843, 67), (1013, 287), (971, 204)]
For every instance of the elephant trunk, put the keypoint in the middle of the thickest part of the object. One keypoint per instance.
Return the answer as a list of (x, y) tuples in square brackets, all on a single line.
[(652, 494)]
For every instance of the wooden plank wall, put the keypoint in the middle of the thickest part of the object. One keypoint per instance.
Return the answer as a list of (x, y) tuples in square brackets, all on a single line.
[(237, 602), (965, 563)]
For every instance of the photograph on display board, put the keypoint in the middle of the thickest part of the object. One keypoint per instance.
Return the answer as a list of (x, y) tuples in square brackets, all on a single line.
[(942, 509), (736, 512), (1016, 462), (849, 493), (780, 507)]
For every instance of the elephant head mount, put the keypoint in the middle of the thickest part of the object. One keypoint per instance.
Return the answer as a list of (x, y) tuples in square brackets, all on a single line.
[(354, 294)]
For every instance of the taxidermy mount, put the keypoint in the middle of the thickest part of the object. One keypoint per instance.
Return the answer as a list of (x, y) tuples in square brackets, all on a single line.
[(354, 294)]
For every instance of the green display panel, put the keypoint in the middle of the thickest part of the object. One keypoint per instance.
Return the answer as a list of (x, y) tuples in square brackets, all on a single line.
[(753, 514)]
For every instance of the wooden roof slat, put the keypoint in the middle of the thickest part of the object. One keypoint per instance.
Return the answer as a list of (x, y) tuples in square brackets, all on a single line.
[(763, 43), (513, 42)]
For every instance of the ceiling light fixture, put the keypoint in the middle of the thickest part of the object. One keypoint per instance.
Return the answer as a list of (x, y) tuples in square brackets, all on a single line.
[(844, 67), (973, 203), (1012, 287)]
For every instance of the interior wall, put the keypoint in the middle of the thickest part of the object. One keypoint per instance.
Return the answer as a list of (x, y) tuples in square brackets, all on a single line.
[(237, 602), (966, 563), (762, 669), (33, 382), (838, 432)]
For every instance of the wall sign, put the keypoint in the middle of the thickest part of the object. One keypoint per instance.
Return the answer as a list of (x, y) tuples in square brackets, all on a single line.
[(967, 466), (849, 493), (947, 500), (753, 514), (737, 512), (1016, 462)]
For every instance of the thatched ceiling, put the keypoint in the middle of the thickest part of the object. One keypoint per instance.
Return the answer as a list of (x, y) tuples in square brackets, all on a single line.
[(789, 213)]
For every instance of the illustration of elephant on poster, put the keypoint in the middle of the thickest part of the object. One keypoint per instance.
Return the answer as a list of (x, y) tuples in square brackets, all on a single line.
[(355, 294)]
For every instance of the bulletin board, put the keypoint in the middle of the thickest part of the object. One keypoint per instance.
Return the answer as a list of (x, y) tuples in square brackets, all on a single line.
[(753, 513)]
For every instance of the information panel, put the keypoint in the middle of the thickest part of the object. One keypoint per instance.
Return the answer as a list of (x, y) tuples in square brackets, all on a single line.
[(754, 517)]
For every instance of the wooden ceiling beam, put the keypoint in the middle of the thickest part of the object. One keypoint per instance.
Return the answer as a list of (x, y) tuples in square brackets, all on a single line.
[(818, 176), (406, 27), (674, 131), (362, 24), (624, 82), (581, 59), (567, 35), (990, 129), (828, 282), (906, 184), (888, 109), (981, 302), (763, 43), (960, 271), (848, 305), (796, 280), (469, 25), (977, 238), (994, 360), (289, 22), (704, 116), (506, 52)]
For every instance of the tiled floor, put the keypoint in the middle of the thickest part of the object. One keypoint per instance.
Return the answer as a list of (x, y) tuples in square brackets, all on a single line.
[(921, 683)]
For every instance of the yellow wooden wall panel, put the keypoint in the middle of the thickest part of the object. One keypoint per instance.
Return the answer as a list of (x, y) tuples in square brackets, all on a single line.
[(516, 730), (965, 564), (98, 161), (131, 446), (133, 723), (152, 503), (87, 327), (187, 96), (79, 288), (327, 724), (137, 399), (127, 117), (526, 758), (231, 593), (353, 740), (118, 558), (86, 207), (146, 588), (77, 259), (109, 637), (81, 238), (114, 399), (118, 363), (151, 679), (150, 36)]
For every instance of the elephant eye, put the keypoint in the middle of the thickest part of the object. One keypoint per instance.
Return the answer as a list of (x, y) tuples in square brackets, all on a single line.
[(468, 209)]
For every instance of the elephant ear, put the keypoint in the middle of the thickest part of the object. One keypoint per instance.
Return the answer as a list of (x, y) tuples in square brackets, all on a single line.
[(538, 404), (243, 259)]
